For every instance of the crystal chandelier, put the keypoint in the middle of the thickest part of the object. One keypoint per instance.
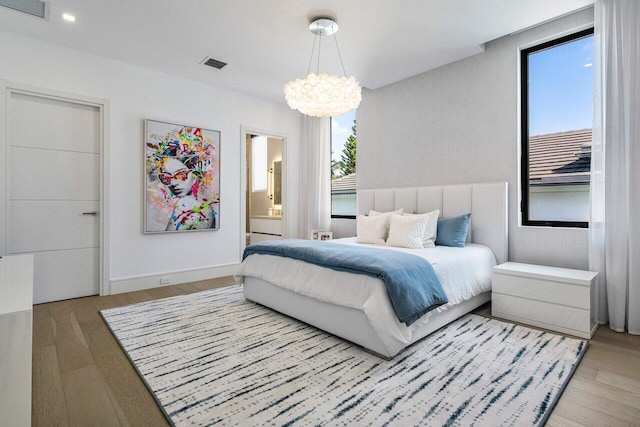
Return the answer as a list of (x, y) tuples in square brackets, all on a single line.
[(322, 94)]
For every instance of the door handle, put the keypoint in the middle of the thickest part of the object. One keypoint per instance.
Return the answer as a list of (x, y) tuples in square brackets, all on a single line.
[(94, 213)]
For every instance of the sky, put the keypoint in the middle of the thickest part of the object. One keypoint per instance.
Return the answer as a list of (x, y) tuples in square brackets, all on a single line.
[(561, 88)]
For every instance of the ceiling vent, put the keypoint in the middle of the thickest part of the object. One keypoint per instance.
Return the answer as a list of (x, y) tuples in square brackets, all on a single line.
[(212, 62), (32, 7)]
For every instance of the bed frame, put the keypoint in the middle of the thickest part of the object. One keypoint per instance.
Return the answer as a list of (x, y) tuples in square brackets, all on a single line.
[(489, 224)]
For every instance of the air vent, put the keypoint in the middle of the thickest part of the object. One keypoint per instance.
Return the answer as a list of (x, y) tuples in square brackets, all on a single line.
[(32, 7), (213, 63)]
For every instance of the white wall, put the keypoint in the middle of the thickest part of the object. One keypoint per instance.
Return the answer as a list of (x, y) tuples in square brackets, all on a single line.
[(559, 203), (460, 124), (135, 93)]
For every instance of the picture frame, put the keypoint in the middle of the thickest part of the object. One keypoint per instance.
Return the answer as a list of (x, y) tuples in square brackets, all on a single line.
[(314, 234), (182, 178), (320, 235), (325, 235)]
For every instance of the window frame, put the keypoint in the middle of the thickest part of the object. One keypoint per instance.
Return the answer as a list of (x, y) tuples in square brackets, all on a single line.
[(330, 194), (343, 217), (524, 128)]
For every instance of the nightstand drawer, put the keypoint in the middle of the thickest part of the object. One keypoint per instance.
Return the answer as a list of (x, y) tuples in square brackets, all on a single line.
[(561, 318), (569, 294)]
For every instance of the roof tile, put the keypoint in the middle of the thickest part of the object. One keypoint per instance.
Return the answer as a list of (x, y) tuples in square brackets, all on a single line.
[(560, 158), (344, 184)]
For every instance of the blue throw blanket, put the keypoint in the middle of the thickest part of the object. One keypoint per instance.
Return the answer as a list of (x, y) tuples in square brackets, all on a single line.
[(411, 282)]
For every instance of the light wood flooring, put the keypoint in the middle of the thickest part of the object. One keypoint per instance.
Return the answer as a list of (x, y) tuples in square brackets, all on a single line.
[(81, 377)]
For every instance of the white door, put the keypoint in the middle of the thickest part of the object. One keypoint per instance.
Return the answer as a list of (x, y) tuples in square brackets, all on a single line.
[(54, 193)]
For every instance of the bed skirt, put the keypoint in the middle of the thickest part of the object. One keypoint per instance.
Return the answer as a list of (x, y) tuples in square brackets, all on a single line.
[(349, 323)]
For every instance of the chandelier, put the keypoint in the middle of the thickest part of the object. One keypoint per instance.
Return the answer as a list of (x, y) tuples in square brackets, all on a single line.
[(322, 94)]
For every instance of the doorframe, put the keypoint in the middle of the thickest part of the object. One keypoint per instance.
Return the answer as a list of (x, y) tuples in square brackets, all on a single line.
[(7, 89), (248, 130)]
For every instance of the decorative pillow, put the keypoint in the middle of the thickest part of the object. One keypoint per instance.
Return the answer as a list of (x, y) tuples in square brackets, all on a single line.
[(371, 229), (376, 213), (387, 216), (453, 231), (407, 231), (431, 230)]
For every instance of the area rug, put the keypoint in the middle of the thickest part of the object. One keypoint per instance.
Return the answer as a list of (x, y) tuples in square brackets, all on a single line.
[(213, 358)]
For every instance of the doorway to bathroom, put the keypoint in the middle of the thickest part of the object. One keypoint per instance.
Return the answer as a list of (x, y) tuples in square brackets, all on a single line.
[(265, 184)]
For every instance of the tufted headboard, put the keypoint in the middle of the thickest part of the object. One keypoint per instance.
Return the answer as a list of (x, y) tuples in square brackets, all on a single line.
[(486, 202)]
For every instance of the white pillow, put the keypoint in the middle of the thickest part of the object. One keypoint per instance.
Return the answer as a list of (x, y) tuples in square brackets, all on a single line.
[(376, 213), (387, 216), (407, 231), (431, 230), (371, 229)]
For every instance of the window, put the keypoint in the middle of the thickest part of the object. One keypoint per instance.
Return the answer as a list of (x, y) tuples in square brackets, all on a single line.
[(557, 118), (259, 163), (343, 166)]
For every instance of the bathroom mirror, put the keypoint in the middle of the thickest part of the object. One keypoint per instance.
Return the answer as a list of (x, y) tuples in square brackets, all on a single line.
[(277, 183)]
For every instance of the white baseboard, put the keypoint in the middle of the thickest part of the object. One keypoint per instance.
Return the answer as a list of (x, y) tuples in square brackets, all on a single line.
[(148, 281)]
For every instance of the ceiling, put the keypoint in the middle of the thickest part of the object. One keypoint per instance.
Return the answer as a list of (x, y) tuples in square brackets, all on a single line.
[(267, 42)]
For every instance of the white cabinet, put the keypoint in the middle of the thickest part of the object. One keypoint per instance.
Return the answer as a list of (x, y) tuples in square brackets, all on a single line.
[(265, 228), (558, 299)]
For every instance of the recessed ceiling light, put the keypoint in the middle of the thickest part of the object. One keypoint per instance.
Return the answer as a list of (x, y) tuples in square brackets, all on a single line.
[(68, 17)]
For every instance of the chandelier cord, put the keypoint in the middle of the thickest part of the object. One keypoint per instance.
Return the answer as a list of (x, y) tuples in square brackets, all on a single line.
[(319, 50), (312, 50), (339, 55)]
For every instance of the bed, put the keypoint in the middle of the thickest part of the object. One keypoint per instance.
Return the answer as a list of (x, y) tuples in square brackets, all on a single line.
[(357, 307)]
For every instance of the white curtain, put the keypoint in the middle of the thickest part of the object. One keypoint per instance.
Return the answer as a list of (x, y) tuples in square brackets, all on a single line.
[(315, 175), (615, 165)]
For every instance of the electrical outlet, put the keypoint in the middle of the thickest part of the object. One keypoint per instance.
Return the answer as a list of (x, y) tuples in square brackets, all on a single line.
[(165, 280)]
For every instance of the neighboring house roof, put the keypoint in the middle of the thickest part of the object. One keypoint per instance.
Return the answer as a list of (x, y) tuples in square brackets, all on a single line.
[(560, 158), (344, 184)]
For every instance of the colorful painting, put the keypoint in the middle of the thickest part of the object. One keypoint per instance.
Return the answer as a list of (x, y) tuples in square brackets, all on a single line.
[(182, 184)]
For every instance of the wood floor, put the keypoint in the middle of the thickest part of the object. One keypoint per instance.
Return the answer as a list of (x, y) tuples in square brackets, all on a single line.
[(81, 377)]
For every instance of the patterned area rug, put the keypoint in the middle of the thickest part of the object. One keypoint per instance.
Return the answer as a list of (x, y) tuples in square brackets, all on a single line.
[(213, 358)]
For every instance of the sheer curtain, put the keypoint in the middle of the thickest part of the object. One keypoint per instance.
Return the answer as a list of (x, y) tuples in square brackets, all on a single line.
[(315, 175), (615, 165)]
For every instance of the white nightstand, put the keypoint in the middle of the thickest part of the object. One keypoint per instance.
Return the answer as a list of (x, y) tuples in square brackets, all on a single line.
[(558, 299)]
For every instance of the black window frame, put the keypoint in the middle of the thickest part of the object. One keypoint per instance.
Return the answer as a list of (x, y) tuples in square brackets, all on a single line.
[(524, 125), (343, 216)]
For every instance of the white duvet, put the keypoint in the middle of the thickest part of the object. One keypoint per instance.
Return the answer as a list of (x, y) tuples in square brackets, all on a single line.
[(463, 273)]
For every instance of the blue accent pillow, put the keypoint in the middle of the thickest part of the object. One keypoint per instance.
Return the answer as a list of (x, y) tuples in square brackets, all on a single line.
[(453, 231)]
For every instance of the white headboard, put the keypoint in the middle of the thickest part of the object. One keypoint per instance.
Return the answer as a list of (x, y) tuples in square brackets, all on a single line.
[(486, 202)]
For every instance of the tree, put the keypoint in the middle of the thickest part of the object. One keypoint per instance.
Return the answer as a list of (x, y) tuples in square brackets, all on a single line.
[(335, 169), (347, 164)]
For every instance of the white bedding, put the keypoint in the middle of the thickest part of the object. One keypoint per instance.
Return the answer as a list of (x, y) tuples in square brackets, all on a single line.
[(463, 273)]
